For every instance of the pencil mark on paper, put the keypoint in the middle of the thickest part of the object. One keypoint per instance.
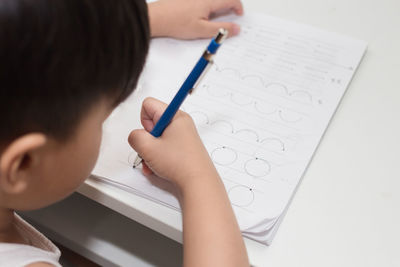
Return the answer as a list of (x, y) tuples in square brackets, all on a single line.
[(245, 134), (224, 156), (241, 99), (199, 117), (241, 196), (264, 109), (275, 142), (223, 126), (257, 167), (286, 118), (248, 134), (214, 91), (272, 87)]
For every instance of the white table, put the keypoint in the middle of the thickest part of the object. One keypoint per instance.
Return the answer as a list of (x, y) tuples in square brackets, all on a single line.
[(346, 211)]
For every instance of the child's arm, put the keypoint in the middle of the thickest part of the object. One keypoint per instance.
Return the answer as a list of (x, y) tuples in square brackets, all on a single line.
[(211, 236), (189, 19)]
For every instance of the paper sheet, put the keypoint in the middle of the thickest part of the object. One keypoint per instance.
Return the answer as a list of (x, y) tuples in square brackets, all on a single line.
[(261, 112)]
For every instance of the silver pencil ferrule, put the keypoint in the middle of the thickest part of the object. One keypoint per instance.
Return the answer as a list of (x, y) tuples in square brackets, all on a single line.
[(137, 161), (222, 35)]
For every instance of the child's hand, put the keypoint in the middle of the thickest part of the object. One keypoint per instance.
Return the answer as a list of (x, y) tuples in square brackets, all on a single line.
[(211, 235), (189, 19), (178, 155)]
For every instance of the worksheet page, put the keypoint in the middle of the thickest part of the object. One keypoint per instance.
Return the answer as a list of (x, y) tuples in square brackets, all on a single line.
[(261, 111)]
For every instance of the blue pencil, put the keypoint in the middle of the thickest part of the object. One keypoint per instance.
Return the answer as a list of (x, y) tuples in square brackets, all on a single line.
[(186, 87)]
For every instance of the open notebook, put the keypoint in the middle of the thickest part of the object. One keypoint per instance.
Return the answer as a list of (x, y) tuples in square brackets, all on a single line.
[(261, 112)]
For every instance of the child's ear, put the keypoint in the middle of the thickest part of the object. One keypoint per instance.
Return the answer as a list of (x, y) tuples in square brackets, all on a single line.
[(17, 160)]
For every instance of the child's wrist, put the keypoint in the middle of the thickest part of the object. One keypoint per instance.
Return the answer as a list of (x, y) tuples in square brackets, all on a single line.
[(204, 185), (197, 178)]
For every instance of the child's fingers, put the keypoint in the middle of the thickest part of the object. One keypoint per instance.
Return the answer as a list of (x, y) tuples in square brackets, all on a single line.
[(210, 29), (235, 5), (146, 170), (152, 109), (134, 140), (141, 141)]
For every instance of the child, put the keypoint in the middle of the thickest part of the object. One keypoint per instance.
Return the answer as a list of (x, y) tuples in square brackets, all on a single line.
[(65, 64)]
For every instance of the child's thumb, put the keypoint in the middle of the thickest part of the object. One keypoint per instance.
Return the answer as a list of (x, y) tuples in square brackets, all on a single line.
[(140, 141), (211, 28)]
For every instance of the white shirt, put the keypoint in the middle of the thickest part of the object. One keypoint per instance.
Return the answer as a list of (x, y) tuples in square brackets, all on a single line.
[(40, 249)]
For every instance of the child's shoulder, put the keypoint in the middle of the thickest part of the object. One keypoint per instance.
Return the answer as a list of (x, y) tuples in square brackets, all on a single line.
[(40, 264), (40, 252)]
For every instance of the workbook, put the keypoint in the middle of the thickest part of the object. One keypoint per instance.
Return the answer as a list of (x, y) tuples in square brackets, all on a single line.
[(261, 111)]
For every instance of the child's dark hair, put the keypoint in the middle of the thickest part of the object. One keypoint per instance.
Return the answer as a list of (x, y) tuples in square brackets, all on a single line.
[(60, 57)]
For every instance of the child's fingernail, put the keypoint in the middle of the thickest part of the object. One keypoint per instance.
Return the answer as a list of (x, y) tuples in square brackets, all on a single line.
[(235, 29)]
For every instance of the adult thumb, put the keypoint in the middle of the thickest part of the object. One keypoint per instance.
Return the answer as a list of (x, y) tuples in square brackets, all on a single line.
[(211, 28)]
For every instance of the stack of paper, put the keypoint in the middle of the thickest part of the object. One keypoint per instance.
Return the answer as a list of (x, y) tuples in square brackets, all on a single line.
[(261, 111)]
